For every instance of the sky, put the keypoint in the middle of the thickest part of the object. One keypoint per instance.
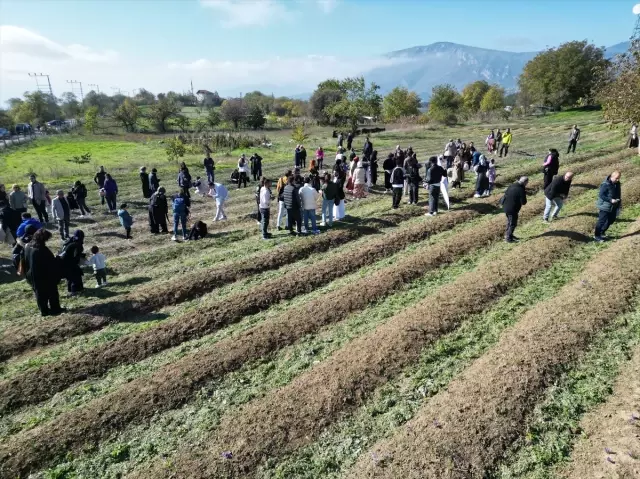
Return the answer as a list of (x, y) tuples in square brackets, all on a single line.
[(283, 46)]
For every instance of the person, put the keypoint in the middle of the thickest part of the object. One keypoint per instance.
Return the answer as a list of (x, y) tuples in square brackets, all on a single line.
[(633, 137), (414, 179), (110, 192), (308, 200), (9, 221), (154, 181), (158, 212), (243, 170), (450, 152), (71, 200), (42, 273), (291, 196), (99, 179), (554, 195), (388, 165), (144, 179), (37, 194), (220, 193), (482, 180), (373, 168), (99, 263), (200, 186), (314, 174), (79, 192), (180, 212), (329, 193), (209, 168), (126, 220), (434, 176), (367, 149), (319, 157), (184, 180), (27, 221), (282, 210), (17, 199), (513, 200), (256, 166), (574, 136), (198, 231), (71, 255), (339, 178), (349, 140), (397, 183), (498, 139), (491, 174), (17, 254), (506, 142), (457, 173), (264, 206), (340, 140), (608, 204), (550, 166), (296, 157), (491, 141), (359, 180), (61, 214), (3, 194), (235, 176), (303, 157)]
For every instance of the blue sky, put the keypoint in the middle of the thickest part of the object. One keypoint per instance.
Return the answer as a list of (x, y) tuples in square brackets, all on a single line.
[(230, 45)]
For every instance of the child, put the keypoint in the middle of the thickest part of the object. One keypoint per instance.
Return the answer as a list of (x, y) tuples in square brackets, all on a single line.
[(201, 187), (492, 175), (125, 219), (99, 263)]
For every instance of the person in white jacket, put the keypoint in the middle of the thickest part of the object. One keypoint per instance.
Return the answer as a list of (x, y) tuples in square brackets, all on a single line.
[(308, 200), (264, 204), (219, 192), (61, 214)]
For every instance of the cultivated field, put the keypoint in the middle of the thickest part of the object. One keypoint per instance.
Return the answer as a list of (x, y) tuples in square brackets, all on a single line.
[(392, 345)]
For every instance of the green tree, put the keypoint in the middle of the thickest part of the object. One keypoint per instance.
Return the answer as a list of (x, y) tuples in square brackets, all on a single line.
[(445, 104), (327, 94), (358, 101), (71, 107), (259, 99), (144, 97), (213, 118), (162, 110), (127, 115), (299, 134), (472, 95), (400, 102), (493, 99), (618, 89), (37, 108), (182, 122), (563, 76), (175, 149), (91, 119), (5, 120), (233, 110), (255, 118)]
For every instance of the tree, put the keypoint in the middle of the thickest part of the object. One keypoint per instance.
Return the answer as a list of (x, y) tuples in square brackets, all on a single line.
[(175, 149), (259, 99), (71, 107), (358, 101), (493, 99), (255, 117), (563, 76), (328, 93), (162, 110), (445, 104), (99, 100), (213, 118), (233, 110), (182, 122), (127, 115), (5, 120), (91, 119), (618, 89), (400, 102), (144, 97), (473, 94), (37, 107), (299, 134)]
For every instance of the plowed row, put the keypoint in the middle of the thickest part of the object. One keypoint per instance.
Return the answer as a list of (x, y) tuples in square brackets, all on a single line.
[(292, 416)]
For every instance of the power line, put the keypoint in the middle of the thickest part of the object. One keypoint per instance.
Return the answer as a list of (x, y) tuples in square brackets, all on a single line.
[(73, 88), (40, 85), (95, 85)]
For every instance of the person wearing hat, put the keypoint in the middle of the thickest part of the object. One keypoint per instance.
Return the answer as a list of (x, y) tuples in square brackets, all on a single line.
[(37, 193), (71, 255), (144, 179), (61, 214), (154, 182), (17, 199), (158, 212)]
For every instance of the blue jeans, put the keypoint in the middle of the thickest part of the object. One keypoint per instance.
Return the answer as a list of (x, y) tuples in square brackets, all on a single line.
[(210, 176), (182, 219), (557, 202), (309, 214), (327, 212)]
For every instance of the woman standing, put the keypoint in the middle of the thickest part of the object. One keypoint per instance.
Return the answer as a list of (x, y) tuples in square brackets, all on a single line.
[(551, 166), (633, 137), (184, 180), (314, 174), (482, 181), (110, 192), (320, 157), (243, 170), (373, 168), (144, 179), (388, 166), (359, 180), (339, 177), (42, 273)]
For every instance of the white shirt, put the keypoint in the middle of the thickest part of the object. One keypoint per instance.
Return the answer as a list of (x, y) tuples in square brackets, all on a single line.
[(98, 261), (265, 198), (308, 197), (243, 168)]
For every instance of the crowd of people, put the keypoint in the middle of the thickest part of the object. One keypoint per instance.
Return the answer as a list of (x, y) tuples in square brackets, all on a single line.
[(297, 194)]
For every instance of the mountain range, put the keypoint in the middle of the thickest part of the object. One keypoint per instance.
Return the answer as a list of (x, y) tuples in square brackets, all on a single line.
[(423, 67)]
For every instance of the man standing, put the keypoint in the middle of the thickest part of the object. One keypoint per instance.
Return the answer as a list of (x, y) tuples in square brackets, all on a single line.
[(37, 194), (574, 136), (308, 200), (434, 176), (209, 167), (292, 203), (608, 204), (158, 212), (99, 180), (61, 214), (154, 182), (144, 179), (450, 152), (498, 139), (349, 140), (264, 206), (303, 157), (555, 194), (256, 166), (219, 193), (367, 149), (513, 200), (397, 183), (340, 140), (506, 142)]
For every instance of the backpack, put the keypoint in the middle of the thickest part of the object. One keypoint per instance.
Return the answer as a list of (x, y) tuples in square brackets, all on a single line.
[(179, 207)]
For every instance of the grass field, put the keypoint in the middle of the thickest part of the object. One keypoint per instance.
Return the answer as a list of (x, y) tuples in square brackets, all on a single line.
[(392, 345)]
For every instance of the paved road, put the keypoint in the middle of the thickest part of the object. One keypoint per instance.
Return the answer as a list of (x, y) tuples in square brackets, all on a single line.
[(17, 140)]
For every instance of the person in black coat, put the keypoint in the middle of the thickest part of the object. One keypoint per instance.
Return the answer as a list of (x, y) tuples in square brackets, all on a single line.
[(292, 203), (551, 166), (71, 255), (43, 273), (513, 200), (198, 231), (414, 179), (99, 180), (154, 182), (367, 149), (80, 194), (158, 212), (555, 193), (209, 167), (10, 219), (184, 180), (373, 167), (303, 157), (349, 140), (388, 165), (434, 176), (144, 179), (608, 204), (256, 166)]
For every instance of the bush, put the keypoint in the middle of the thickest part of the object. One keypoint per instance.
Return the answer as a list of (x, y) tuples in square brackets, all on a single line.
[(175, 149)]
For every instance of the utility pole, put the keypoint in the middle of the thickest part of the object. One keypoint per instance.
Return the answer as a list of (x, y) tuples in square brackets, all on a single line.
[(40, 85), (75, 82), (124, 92), (95, 85), (116, 89)]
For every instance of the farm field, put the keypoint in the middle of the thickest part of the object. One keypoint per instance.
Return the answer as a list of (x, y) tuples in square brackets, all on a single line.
[(391, 345)]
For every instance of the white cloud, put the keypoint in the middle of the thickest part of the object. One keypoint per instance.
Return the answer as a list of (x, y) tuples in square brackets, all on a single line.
[(244, 13), (197, 65), (327, 6)]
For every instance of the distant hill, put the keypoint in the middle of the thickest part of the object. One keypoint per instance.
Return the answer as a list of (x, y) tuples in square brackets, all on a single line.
[(423, 67)]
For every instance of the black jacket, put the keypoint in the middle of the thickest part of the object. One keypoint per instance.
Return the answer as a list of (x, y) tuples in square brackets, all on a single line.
[(558, 188), (184, 179), (79, 192), (208, 164), (609, 191), (10, 218), (154, 182), (291, 197), (553, 167), (99, 179), (435, 174), (397, 176), (514, 198), (144, 178), (158, 204), (41, 268), (389, 164)]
